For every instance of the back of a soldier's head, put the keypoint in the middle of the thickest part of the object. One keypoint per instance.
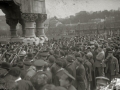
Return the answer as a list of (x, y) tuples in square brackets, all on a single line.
[(15, 72)]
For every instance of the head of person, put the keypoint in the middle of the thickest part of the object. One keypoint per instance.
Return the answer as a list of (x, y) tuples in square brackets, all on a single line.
[(66, 79), (80, 60), (62, 53), (43, 55), (15, 72), (39, 64), (5, 65), (70, 58), (49, 87), (51, 60), (41, 79), (99, 48), (27, 64), (88, 49), (89, 56), (110, 53), (58, 64)]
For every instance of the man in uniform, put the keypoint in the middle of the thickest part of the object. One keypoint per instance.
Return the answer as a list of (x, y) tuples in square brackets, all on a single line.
[(81, 75), (45, 76), (112, 68), (99, 62), (66, 80)]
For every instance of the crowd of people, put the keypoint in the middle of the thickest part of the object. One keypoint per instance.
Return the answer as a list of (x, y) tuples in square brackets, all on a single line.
[(63, 64)]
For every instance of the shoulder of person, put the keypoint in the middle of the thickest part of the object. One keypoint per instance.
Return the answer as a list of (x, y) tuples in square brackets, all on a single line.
[(72, 88)]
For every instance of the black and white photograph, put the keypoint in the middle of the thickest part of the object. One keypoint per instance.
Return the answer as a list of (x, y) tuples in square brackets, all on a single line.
[(59, 44)]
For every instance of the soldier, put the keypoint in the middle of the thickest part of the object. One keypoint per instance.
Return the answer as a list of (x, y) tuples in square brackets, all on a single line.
[(43, 55), (112, 68), (66, 80), (57, 72), (41, 77), (81, 75), (4, 68), (71, 67), (99, 62), (16, 82), (29, 57), (88, 68)]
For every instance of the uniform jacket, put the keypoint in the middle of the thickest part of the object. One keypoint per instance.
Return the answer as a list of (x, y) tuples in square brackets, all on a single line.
[(71, 68), (112, 66), (88, 68), (18, 84), (99, 62), (57, 76), (71, 87), (25, 85), (33, 79), (81, 75)]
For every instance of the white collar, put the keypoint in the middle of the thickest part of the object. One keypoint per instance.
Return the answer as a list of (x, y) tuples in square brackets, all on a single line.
[(39, 70), (18, 79)]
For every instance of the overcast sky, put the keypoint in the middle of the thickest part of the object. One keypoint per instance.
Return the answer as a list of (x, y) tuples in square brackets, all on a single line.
[(64, 8)]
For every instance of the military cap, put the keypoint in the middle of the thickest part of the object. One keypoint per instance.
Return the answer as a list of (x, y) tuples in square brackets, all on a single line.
[(22, 53), (68, 74), (39, 63), (70, 58), (30, 55), (44, 53), (27, 63), (102, 80)]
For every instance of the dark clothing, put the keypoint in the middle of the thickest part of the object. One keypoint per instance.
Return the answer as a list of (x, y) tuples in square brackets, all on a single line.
[(112, 67), (71, 68), (81, 77), (57, 76), (34, 78), (19, 85)]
